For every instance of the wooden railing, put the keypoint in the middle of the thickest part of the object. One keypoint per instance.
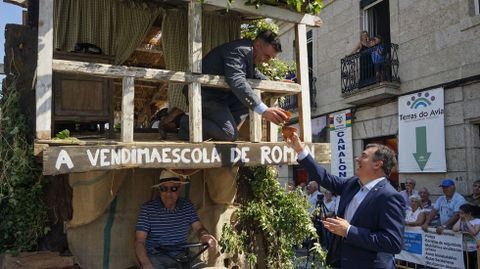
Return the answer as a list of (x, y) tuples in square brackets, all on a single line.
[(130, 74), (194, 78)]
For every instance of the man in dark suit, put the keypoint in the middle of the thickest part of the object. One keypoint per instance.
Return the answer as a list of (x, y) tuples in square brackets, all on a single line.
[(370, 220), (223, 111)]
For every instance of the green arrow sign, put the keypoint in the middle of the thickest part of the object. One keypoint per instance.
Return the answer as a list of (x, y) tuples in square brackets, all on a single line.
[(421, 156)]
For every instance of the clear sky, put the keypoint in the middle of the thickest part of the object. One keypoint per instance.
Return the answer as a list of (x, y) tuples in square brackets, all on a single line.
[(8, 14)]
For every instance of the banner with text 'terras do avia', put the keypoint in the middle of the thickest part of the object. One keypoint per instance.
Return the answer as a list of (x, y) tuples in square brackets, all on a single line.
[(421, 130)]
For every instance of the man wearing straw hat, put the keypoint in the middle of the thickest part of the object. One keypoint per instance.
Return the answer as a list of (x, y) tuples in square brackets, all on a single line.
[(166, 221)]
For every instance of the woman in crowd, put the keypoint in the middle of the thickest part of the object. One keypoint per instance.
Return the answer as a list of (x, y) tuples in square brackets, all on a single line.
[(468, 224), (414, 215)]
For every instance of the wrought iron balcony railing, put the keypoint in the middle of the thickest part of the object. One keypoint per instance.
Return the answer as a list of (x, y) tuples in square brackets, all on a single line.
[(376, 64)]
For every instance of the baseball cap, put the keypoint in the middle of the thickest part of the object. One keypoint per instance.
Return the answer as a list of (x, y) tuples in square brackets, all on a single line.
[(169, 176), (447, 183)]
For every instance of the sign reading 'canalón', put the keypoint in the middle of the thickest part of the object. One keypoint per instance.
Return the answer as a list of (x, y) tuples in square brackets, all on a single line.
[(58, 160)]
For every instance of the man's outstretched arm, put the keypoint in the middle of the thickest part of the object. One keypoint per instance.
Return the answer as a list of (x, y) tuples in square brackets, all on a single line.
[(203, 235), (236, 77)]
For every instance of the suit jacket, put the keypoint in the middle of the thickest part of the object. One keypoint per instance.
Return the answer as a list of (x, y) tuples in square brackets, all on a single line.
[(234, 60), (377, 227)]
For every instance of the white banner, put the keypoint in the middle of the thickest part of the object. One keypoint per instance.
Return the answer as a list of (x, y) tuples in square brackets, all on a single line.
[(341, 144), (421, 129), (432, 249)]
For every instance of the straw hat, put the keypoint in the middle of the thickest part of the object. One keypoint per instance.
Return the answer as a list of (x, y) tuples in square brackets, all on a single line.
[(169, 176)]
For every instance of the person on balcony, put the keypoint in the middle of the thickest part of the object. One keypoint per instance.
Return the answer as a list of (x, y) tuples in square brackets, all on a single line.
[(363, 43), (224, 111), (365, 60), (378, 57)]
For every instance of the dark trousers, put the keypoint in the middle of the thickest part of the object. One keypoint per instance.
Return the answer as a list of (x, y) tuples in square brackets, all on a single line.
[(221, 115), (472, 259)]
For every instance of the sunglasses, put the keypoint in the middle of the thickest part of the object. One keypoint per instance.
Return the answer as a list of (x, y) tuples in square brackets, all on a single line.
[(165, 189)]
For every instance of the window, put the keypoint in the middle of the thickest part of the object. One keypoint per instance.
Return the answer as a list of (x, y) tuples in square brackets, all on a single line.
[(477, 7), (376, 18)]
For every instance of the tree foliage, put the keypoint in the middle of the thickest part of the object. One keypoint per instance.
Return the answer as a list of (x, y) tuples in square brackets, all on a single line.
[(270, 221), (23, 213), (307, 6)]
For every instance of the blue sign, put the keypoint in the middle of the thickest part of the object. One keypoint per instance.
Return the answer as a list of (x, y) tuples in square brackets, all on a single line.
[(413, 243)]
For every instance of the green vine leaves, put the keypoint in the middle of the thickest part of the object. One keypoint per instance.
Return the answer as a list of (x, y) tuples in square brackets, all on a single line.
[(306, 6), (267, 227), (23, 213)]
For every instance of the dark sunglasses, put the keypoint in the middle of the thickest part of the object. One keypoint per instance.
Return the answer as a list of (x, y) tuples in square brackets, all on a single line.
[(172, 189)]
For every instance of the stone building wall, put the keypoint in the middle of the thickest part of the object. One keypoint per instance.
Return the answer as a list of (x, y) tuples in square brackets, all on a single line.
[(462, 137), (438, 44)]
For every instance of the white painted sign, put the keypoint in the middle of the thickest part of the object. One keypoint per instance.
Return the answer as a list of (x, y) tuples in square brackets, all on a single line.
[(432, 249), (80, 159), (341, 144), (421, 130)]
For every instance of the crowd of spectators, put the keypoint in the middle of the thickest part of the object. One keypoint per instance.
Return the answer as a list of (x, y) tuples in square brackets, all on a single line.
[(451, 210)]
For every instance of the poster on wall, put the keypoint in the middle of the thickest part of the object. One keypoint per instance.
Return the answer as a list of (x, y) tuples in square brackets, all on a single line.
[(341, 144), (421, 128)]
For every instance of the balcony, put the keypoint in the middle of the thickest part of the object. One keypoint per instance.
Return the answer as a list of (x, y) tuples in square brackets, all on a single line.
[(365, 82)]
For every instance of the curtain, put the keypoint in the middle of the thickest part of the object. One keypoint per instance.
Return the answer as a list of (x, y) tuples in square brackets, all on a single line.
[(114, 26), (216, 29)]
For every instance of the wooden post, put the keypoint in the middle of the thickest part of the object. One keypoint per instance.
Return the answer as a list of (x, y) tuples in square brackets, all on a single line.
[(272, 127), (128, 95), (255, 124), (43, 92), (304, 112), (195, 66)]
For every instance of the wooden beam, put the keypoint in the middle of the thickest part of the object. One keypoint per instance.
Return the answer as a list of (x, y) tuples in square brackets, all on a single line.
[(304, 112), (43, 92), (255, 124), (128, 95), (195, 67), (151, 74), (272, 127), (72, 159), (267, 11)]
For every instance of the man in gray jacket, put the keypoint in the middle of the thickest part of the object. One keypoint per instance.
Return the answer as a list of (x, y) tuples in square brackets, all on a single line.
[(223, 111)]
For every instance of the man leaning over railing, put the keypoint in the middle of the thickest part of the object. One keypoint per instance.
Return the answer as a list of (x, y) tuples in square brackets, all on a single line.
[(447, 206), (224, 111)]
